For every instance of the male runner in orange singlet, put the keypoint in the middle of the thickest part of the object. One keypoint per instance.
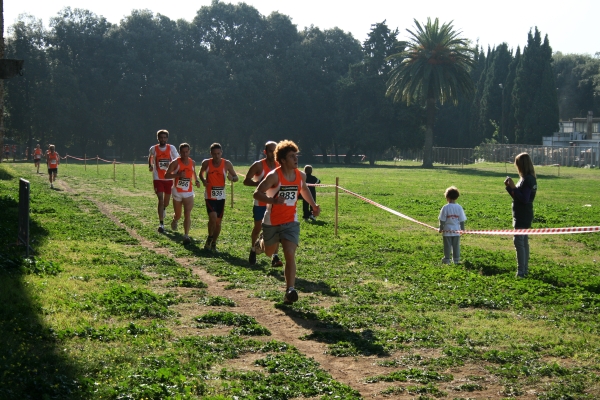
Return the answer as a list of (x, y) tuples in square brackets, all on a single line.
[(52, 161), (160, 157), (280, 191), (212, 174), (255, 175), (183, 170), (37, 157)]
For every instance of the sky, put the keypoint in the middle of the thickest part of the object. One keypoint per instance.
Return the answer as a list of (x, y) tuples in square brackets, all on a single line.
[(571, 27)]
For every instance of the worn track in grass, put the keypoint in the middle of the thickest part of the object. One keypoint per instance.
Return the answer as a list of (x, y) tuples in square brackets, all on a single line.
[(286, 328)]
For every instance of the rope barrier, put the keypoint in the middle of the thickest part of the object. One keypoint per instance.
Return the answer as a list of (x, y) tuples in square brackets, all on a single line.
[(91, 158)]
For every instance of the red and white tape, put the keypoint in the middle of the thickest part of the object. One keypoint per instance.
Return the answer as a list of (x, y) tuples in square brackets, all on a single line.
[(510, 232)]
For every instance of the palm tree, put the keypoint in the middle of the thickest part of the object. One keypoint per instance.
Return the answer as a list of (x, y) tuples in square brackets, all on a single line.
[(434, 66)]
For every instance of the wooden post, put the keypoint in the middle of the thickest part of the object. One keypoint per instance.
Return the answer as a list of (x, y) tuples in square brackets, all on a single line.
[(337, 184), (558, 169), (84, 162), (97, 167), (114, 169), (133, 163), (231, 194)]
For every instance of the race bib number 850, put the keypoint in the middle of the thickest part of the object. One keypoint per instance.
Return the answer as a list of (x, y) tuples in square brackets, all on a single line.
[(163, 163), (290, 194)]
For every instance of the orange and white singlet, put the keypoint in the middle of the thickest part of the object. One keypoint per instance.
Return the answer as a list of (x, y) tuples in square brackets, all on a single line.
[(162, 159), (215, 180), (37, 154), (52, 159), (259, 178), (184, 185), (278, 214)]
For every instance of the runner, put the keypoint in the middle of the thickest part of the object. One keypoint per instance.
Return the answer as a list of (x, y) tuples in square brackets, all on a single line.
[(212, 175), (52, 161), (183, 169), (280, 190), (37, 157), (160, 157), (255, 175), (6, 152)]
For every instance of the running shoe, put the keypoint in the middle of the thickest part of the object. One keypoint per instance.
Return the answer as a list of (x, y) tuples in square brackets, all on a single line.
[(312, 218), (291, 296), (161, 228), (259, 245), (275, 261), (174, 225), (207, 244), (213, 247), (187, 240), (252, 257)]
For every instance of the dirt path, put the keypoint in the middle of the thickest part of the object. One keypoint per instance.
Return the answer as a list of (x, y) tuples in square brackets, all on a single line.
[(351, 371)]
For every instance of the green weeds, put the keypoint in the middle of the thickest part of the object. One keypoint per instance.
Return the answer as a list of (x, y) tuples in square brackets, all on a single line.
[(76, 320), (137, 303)]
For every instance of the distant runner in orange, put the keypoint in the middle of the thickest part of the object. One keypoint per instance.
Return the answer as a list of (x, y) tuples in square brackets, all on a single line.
[(52, 161)]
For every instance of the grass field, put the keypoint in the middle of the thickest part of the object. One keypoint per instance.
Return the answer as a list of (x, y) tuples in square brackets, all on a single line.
[(109, 308)]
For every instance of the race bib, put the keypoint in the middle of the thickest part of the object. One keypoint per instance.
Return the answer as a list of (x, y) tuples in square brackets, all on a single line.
[(217, 192), (163, 163), (52, 162), (183, 183), (290, 194)]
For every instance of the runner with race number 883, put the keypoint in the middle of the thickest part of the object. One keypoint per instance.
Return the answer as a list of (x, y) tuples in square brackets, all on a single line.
[(280, 190)]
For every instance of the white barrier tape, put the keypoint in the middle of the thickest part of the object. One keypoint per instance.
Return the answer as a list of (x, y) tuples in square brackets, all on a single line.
[(387, 209), (509, 232)]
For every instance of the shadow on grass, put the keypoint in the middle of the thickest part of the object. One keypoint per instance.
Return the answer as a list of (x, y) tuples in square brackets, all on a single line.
[(342, 342), (32, 365)]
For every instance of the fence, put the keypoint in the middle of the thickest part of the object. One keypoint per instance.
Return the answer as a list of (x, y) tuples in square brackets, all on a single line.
[(570, 156)]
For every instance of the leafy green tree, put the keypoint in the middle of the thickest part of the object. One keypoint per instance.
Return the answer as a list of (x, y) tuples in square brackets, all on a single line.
[(575, 79), (29, 101), (322, 59), (76, 47), (434, 67), (368, 121)]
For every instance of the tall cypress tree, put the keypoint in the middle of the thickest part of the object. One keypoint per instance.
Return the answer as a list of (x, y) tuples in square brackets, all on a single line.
[(508, 122), (534, 93), (491, 100), (478, 76)]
